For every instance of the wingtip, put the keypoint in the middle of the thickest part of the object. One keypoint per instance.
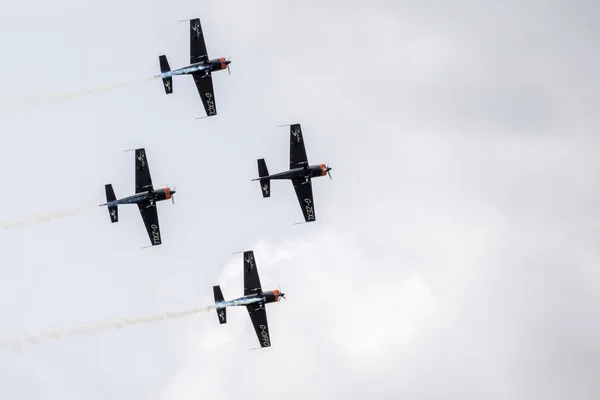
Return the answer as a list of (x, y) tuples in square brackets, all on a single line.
[(284, 125)]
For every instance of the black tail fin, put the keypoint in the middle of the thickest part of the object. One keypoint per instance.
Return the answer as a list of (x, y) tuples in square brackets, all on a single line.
[(164, 67), (265, 184), (262, 168), (113, 211), (221, 312)]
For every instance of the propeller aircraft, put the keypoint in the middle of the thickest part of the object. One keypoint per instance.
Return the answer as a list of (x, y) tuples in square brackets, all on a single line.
[(254, 300), (201, 69), (300, 173), (145, 197)]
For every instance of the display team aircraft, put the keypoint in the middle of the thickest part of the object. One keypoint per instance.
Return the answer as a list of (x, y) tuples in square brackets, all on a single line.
[(201, 68), (300, 174), (254, 299), (145, 197)]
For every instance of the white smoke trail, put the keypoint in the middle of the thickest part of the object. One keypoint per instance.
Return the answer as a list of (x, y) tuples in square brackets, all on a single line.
[(38, 218), (66, 95), (92, 329)]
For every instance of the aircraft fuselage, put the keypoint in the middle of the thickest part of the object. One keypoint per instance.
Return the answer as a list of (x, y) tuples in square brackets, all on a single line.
[(270, 296), (311, 171), (153, 196), (209, 66)]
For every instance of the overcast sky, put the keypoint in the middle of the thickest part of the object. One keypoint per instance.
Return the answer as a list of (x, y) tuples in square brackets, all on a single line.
[(455, 253)]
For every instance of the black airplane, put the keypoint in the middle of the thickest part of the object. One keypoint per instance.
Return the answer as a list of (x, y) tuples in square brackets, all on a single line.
[(201, 68), (145, 197), (300, 174), (254, 299)]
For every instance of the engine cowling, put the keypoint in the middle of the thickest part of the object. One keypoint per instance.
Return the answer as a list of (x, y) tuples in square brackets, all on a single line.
[(218, 64), (272, 296), (163, 194)]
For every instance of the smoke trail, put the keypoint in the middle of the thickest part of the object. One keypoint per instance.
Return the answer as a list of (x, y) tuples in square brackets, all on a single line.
[(38, 218), (66, 95), (92, 329)]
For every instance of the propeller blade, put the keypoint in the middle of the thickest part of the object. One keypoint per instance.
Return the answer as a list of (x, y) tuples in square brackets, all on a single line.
[(281, 294), (228, 70), (173, 194)]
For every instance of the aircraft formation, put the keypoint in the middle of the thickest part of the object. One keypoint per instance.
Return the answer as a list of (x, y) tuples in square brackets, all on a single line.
[(146, 197)]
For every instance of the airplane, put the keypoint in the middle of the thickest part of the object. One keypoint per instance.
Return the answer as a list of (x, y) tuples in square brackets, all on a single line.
[(145, 197), (254, 299), (300, 174), (201, 69)]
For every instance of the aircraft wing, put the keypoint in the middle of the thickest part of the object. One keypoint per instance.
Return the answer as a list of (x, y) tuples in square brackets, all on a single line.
[(258, 315), (297, 151), (150, 217), (304, 193), (205, 90), (198, 51), (251, 279), (143, 181)]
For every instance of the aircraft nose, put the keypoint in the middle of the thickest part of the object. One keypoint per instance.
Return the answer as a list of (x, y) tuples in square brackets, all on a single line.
[(227, 62), (173, 192)]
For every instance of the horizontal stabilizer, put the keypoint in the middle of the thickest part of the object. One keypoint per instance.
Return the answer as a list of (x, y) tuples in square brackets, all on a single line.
[(265, 187), (110, 193), (114, 214), (113, 211), (221, 312), (262, 168), (168, 84), (164, 67), (164, 64), (265, 184)]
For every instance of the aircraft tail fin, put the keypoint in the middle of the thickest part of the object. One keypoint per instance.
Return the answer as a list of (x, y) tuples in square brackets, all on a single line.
[(113, 211), (164, 67), (262, 167), (265, 184), (221, 312)]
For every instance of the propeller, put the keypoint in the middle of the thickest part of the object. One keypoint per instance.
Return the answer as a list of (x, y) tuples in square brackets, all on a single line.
[(228, 61), (328, 168), (281, 294), (173, 191)]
